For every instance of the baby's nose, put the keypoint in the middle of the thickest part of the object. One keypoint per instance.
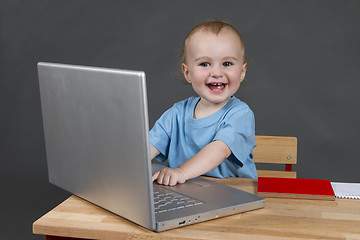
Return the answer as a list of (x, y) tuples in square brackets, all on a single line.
[(216, 72)]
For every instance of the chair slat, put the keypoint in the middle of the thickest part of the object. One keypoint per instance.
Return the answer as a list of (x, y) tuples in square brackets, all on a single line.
[(277, 174), (276, 150)]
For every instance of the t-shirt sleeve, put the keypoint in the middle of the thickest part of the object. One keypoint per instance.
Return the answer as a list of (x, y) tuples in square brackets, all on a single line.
[(160, 134), (238, 133)]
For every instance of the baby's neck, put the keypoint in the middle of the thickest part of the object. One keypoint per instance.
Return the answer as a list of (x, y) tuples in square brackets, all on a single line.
[(204, 108)]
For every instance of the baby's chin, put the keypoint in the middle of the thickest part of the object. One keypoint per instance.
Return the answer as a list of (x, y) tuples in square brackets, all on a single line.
[(217, 100)]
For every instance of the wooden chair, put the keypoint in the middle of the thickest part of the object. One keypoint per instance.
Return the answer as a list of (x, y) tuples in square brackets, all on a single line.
[(276, 150)]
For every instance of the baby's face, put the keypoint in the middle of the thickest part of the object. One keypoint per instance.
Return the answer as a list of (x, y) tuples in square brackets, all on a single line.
[(214, 65)]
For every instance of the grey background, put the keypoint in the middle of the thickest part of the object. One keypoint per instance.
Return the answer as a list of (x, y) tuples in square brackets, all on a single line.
[(303, 78)]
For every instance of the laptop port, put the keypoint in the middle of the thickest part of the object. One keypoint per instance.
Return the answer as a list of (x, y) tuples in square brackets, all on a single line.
[(182, 222)]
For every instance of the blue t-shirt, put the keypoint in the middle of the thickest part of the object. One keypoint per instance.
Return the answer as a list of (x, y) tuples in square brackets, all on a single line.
[(178, 136)]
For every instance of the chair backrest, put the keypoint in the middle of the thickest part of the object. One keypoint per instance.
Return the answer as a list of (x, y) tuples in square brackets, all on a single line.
[(276, 150)]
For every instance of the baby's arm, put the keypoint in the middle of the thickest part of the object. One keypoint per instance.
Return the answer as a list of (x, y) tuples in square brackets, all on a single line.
[(153, 152), (204, 161), (176, 173)]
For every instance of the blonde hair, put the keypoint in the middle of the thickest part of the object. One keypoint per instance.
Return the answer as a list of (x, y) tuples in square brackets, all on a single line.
[(213, 26)]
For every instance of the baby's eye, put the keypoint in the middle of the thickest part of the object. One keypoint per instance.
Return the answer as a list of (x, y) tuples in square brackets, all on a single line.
[(204, 64), (227, 64)]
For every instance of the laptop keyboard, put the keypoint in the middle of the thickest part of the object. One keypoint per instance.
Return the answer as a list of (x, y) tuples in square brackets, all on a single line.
[(167, 200)]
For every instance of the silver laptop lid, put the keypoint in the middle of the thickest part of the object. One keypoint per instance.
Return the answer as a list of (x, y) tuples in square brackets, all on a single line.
[(94, 149)]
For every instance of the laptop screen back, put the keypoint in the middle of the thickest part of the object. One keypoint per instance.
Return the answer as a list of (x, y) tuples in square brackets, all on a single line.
[(96, 135)]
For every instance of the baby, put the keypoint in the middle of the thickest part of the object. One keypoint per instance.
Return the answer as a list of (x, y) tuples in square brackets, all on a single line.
[(213, 134)]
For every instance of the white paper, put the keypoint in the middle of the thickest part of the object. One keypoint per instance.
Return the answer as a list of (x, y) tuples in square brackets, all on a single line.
[(346, 190)]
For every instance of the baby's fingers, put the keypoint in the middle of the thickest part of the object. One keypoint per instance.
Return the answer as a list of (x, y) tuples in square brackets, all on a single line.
[(155, 176), (173, 180)]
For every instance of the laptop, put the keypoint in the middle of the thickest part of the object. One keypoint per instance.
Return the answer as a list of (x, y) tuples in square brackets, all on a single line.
[(97, 147)]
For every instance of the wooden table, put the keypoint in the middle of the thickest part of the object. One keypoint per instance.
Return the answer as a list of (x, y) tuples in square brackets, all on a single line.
[(280, 219)]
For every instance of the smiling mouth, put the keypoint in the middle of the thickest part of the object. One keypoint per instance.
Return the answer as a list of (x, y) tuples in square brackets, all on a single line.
[(217, 87)]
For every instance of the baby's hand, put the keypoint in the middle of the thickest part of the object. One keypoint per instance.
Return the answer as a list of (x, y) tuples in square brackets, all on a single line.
[(169, 176)]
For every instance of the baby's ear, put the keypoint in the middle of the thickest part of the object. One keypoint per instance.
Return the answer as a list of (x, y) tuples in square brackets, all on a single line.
[(243, 71), (186, 72)]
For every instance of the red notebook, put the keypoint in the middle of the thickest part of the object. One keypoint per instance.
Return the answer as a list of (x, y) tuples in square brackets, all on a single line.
[(295, 188)]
